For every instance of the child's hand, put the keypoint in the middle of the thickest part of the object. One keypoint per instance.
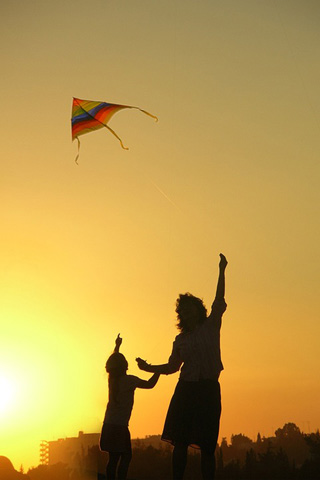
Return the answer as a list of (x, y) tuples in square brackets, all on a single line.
[(142, 364), (118, 342)]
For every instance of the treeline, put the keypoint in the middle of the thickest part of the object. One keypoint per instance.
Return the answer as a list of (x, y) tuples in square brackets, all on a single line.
[(288, 455)]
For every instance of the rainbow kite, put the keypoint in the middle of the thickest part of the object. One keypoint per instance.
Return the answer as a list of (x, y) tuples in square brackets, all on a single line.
[(88, 116)]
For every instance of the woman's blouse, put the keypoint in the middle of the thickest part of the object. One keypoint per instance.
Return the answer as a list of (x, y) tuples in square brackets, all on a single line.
[(198, 351)]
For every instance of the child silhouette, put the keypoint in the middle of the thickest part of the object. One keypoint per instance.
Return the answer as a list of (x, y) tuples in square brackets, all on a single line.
[(115, 435)]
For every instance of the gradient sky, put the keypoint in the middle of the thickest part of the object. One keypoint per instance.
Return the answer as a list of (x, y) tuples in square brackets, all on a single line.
[(92, 250)]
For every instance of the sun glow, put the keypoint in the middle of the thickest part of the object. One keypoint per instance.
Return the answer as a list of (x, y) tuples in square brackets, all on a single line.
[(7, 394)]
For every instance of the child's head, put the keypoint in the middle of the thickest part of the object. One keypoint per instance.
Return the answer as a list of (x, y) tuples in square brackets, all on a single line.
[(117, 365)]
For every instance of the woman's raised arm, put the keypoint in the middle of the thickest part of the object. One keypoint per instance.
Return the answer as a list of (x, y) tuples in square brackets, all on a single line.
[(221, 279), (219, 304)]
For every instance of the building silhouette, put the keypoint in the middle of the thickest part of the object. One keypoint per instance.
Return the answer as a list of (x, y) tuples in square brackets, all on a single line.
[(67, 450), (70, 450)]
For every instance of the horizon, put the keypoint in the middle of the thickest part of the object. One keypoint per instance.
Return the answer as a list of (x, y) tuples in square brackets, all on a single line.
[(158, 436), (150, 436)]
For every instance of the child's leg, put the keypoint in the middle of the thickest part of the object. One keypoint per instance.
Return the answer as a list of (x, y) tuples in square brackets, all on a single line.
[(112, 465), (179, 460), (125, 460)]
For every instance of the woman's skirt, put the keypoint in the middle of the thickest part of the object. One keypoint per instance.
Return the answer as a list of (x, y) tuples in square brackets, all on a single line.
[(115, 438), (194, 415)]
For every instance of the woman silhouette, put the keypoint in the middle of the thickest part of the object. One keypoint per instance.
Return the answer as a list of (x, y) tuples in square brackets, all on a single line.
[(194, 412)]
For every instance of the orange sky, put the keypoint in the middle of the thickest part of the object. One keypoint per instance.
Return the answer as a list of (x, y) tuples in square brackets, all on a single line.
[(92, 250)]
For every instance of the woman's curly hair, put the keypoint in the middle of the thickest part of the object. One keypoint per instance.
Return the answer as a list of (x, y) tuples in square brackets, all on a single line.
[(183, 301)]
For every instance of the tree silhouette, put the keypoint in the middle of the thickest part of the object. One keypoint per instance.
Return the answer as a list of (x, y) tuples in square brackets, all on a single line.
[(251, 464), (311, 467), (292, 441)]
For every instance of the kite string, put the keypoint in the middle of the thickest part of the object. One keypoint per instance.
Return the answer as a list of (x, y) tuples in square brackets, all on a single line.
[(126, 148), (156, 186)]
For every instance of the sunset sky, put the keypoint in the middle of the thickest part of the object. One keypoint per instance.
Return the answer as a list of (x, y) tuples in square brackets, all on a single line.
[(91, 250)]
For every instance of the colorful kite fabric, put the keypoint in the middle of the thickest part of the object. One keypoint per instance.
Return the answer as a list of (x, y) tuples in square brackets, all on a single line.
[(88, 116)]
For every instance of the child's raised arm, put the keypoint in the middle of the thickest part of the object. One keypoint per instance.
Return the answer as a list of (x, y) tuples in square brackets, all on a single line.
[(149, 383), (118, 343)]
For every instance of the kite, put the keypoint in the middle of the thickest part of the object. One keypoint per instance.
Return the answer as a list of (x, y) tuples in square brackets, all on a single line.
[(88, 116)]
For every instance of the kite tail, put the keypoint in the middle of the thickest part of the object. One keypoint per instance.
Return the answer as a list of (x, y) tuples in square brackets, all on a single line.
[(147, 113), (114, 133), (76, 159)]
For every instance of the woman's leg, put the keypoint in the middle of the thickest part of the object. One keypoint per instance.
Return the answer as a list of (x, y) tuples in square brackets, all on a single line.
[(112, 465), (208, 465), (125, 460), (179, 460)]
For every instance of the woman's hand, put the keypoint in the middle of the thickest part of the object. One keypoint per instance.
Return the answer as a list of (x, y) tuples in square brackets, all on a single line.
[(142, 364), (223, 262), (221, 280)]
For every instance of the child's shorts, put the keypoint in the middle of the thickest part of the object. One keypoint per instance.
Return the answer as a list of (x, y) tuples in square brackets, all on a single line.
[(115, 438)]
